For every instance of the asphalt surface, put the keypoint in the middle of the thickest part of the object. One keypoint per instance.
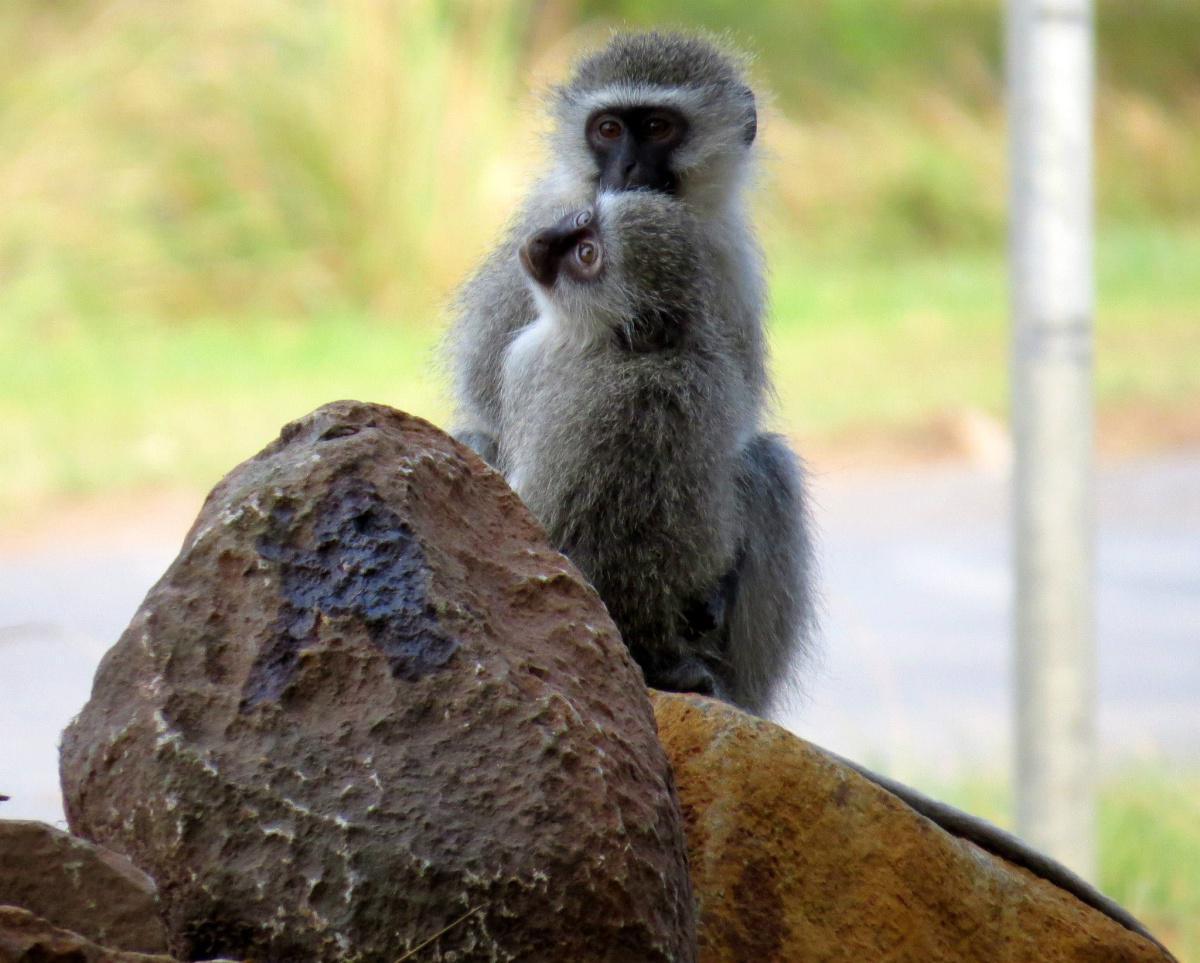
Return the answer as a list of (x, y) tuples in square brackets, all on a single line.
[(912, 673)]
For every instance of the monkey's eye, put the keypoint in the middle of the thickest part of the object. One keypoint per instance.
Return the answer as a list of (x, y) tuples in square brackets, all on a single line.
[(583, 218), (586, 253), (609, 128), (658, 127)]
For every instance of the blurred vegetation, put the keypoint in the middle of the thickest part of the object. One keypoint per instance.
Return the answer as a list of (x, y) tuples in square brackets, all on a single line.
[(1149, 847), (219, 216)]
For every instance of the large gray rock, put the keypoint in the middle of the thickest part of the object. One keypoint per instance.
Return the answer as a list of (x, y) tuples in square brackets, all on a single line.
[(79, 886), (368, 702)]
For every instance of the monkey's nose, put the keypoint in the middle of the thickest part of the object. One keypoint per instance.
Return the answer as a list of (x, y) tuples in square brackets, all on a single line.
[(541, 257)]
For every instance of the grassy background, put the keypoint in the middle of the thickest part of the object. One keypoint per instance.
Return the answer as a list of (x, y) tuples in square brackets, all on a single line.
[(218, 216), (861, 346)]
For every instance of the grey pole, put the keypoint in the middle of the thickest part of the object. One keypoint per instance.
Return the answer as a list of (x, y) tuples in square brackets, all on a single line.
[(1050, 90)]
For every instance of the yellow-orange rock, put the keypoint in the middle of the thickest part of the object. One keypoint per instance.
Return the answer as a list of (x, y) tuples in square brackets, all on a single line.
[(796, 858)]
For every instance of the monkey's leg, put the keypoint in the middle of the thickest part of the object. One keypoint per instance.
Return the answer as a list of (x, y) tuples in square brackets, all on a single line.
[(774, 612), (697, 663), (687, 674)]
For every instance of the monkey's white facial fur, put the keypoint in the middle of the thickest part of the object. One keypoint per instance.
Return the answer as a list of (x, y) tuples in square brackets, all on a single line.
[(570, 249), (566, 264), (637, 76)]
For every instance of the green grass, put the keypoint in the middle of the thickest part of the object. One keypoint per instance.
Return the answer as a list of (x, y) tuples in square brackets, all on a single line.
[(180, 162), (892, 342), (1149, 844), (128, 405), (105, 404), (216, 218)]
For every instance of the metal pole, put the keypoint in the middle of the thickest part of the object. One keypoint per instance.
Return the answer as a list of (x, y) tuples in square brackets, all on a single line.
[(1050, 81)]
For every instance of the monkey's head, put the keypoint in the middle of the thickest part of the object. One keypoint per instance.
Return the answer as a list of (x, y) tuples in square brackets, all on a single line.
[(631, 263), (667, 112)]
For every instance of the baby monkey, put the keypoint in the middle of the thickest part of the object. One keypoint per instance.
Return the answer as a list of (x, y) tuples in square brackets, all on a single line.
[(629, 425)]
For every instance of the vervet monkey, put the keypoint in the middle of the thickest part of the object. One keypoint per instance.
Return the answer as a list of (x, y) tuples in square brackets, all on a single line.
[(662, 112), (672, 116), (630, 425)]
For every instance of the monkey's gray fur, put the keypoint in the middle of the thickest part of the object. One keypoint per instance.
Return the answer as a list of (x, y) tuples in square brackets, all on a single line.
[(715, 165), (630, 428)]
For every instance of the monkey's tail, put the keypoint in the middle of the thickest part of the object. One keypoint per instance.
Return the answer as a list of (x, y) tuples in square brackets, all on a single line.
[(996, 841), (774, 609)]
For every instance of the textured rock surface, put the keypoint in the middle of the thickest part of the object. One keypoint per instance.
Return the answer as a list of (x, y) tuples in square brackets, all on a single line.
[(27, 938), (796, 858), (79, 886), (368, 700)]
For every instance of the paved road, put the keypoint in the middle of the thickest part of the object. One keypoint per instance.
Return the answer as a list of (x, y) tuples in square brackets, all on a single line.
[(914, 672)]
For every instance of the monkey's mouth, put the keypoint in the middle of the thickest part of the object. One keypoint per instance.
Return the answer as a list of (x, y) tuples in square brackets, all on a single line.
[(571, 247)]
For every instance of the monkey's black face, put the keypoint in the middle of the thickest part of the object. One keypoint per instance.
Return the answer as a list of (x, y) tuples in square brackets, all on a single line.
[(572, 247), (633, 147)]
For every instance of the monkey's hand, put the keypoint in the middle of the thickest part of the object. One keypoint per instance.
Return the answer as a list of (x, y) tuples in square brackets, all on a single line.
[(687, 674), (480, 442), (699, 664), (706, 620)]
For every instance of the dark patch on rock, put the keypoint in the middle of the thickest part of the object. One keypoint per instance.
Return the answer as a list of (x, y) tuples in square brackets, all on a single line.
[(362, 563), (756, 893), (368, 702)]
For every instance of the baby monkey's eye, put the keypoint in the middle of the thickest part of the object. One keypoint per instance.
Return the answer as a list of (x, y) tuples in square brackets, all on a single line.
[(585, 253), (583, 218)]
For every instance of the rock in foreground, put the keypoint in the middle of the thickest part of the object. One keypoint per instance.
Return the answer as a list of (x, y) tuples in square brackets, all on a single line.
[(78, 886), (27, 938), (797, 858), (368, 703)]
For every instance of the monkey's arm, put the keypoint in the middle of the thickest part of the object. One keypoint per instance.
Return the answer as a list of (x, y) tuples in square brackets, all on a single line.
[(490, 308), (774, 611)]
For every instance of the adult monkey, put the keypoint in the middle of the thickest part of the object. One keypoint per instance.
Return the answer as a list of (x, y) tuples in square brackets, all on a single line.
[(670, 114), (650, 111)]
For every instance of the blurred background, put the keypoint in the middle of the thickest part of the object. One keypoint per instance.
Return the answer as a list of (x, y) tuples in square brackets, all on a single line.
[(215, 217)]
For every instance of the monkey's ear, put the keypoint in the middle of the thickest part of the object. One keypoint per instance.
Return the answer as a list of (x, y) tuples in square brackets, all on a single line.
[(750, 131)]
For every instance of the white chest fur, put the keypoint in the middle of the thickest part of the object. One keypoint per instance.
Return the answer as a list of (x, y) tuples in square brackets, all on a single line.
[(526, 353), (524, 369)]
